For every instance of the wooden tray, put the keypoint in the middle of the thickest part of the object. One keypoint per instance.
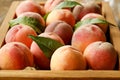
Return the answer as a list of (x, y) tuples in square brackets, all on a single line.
[(114, 36)]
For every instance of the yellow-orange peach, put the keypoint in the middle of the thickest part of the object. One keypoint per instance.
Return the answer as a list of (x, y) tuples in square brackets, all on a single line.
[(62, 29), (20, 33), (101, 56), (103, 26), (29, 6), (85, 35), (15, 56), (61, 14), (51, 4), (41, 61), (35, 16), (67, 58)]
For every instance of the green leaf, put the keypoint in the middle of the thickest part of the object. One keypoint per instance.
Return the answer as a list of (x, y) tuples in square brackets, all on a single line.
[(32, 22), (90, 21), (46, 15), (47, 45), (67, 4)]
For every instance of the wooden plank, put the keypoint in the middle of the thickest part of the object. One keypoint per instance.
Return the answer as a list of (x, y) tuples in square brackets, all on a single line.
[(5, 25), (59, 75), (114, 30)]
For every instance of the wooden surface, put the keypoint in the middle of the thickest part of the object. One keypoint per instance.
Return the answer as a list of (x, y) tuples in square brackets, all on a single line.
[(63, 75), (59, 75)]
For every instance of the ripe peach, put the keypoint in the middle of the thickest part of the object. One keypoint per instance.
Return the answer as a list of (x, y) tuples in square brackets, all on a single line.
[(29, 6), (89, 7), (67, 58), (62, 29), (85, 35), (103, 26), (14, 56), (34, 15), (100, 55), (20, 33), (41, 61), (51, 4), (61, 14), (76, 11)]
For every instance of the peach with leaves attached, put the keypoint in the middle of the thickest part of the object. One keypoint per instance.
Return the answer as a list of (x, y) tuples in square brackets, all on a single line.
[(33, 15), (41, 60), (61, 14), (62, 29), (86, 34), (15, 56), (100, 20), (20, 33), (29, 6), (67, 58), (101, 56)]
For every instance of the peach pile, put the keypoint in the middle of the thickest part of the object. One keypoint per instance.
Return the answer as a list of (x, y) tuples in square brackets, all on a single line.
[(72, 37)]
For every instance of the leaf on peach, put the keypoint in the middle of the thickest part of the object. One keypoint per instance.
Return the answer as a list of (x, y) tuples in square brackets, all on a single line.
[(91, 21), (32, 22), (47, 45), (67, 4)]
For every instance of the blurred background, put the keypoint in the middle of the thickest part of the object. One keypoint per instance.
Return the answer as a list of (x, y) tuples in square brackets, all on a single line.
[(115, 5)]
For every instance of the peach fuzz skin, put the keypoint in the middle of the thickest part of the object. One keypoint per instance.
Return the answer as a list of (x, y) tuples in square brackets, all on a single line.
[(35, 16), (51, 4), (41, 61), (29, 6), (100, 56), (15, 56), (103, 26), (85, 35), (62, 29), (67, 58), (20, 33), (61, 14), (89, 7)]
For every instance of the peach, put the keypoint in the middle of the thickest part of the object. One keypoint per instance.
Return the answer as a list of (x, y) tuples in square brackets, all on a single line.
[(61, 14), (35, 16), (29, 6), (15, 56), (101, 56), (76, 11), (85, 35), (103, 26), (67, 58), (51, 4), (41, 61), (89, 7), (20, 33), (62, 29)]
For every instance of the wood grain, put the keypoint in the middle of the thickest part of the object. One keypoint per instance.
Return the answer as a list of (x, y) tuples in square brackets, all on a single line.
[(59, 75)]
